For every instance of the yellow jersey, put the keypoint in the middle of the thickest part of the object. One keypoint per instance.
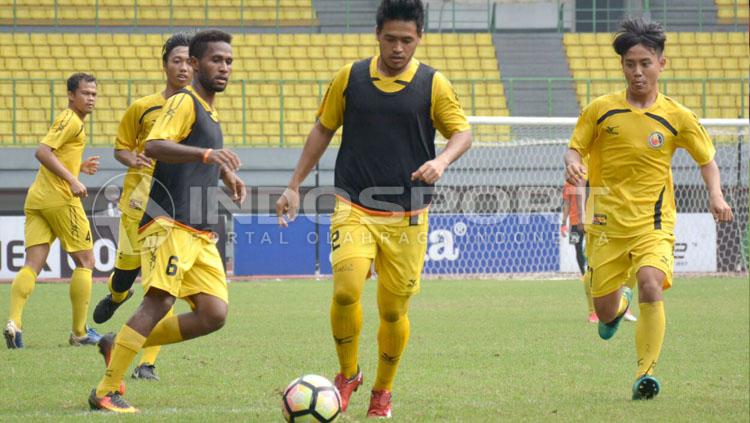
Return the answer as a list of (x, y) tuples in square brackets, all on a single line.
[(176, 122), (447, 114), (630, 153), (67, 138), (135, 126)]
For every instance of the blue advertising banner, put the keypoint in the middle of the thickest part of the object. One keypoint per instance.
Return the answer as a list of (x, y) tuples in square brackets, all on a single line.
[(457, 244), (507, 243)]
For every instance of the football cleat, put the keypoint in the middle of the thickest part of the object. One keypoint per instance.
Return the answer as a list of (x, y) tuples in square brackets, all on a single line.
[(106, 308), (380, 405), (13, 336), (608, 330), (111, 402), (145, 371), (593, 318), (347, 386), (645, 388), (92, 337)]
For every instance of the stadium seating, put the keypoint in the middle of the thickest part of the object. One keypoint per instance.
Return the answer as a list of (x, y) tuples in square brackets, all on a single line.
[(273, 73), (732, 11), (157, 13), (691, 57)]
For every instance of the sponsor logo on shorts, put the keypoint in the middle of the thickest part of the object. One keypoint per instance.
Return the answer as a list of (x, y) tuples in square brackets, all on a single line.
[(600, 219)]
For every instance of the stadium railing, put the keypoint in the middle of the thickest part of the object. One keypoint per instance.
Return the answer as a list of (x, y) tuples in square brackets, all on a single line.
[(30, 105), (171, 13), (600, 17)]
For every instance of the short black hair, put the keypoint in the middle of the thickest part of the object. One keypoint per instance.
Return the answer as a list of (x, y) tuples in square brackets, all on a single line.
[(199, 42), (634, 31), (401, 10), (179, 39), (75, 80)]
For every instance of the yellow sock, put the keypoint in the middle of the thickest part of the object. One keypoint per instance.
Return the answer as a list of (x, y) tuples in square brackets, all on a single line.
[(167, 331), (127, 344), (346, 311), (393, 334), (587, 290), (20, 291), (80, 294), (117, 297), (150, 353), (392, 339), (346, 322), (649, 336)]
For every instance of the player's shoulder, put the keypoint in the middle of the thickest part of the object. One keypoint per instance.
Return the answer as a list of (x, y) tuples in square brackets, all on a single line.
[(604, 104), (145, 105), (182, 99), (66, 116), (149, 101), (608, 101), (65, 119), (676, 109), (346, 70)]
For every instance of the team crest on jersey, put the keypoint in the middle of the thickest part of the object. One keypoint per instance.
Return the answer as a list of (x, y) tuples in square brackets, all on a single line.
[(655, 139)]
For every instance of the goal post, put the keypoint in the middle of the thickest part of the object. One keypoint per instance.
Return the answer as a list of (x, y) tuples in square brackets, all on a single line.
[(497, 210)]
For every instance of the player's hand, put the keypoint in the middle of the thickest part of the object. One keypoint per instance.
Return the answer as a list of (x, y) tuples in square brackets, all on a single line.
[(720, 209), (235, 184), (287, 205), (142, 160), (91, 165), (430, 171), (226, 158), (563, 230), (78, 189), (575, 173)]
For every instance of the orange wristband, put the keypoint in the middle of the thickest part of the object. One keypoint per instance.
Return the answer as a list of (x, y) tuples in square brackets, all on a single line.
[(206, 154)]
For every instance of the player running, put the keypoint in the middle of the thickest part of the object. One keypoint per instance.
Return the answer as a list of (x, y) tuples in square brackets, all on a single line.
[(135, 126), (631, 136), (389, 106), (178, 247)]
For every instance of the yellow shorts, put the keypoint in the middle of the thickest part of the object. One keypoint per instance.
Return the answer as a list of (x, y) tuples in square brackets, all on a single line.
[(128, 246), (615, 261), (183, 263), (68, 223), (397, 244)]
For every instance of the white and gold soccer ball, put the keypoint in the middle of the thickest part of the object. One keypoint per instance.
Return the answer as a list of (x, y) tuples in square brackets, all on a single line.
[(311, 398)]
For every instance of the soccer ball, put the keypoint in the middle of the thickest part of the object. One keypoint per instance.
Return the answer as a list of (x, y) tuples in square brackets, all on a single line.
[(311, 398)]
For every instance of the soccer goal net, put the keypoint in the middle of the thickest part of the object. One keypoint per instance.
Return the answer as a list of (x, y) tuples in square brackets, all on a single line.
[(498, 209)]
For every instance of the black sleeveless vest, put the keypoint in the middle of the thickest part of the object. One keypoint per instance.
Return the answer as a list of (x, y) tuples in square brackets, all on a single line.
[(180, 191), (386, 137)]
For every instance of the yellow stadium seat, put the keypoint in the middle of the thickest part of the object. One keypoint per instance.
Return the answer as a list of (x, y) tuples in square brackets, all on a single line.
[(483, 39), (587, 38)]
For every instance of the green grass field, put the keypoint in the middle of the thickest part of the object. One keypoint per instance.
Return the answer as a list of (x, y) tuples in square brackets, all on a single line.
[(479, 351)]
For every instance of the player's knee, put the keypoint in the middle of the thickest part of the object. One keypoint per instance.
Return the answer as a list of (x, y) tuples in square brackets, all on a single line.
[(391, 316), (157, 303), (650, 289), (84, 259), (122, 280), (344, 297), (214, 318)]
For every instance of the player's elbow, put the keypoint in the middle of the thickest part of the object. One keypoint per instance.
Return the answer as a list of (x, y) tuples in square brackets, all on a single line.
[(41, 152), (151, 149), (156, 149)]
